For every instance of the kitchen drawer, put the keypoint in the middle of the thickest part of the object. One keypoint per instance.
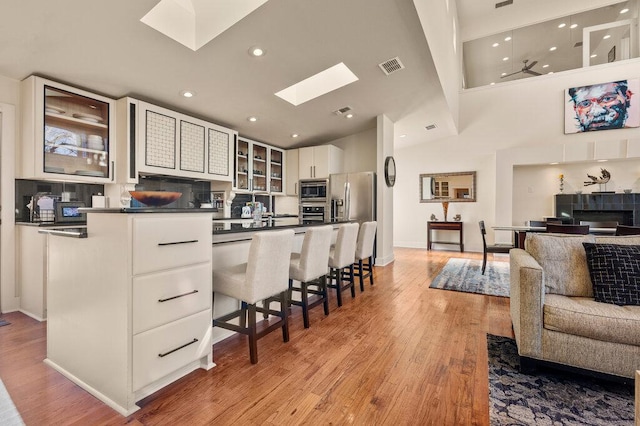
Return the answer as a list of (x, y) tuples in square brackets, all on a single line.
[(169, 242), (167, 296), (167, 348)]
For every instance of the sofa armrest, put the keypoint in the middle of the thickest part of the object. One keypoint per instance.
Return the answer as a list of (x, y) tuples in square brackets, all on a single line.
[(527, 300)]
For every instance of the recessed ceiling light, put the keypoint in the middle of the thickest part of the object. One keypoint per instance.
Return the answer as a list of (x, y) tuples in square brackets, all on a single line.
[(602, 161), (188, 93), (295, 135), (606, 37), (495, 45), (593, 56), (552, 48), (550, 72), (545, 66), (507, 38), (252, 119), (350, 115), (562, 25), (625, 10), (403, 136), (506, 58), (492, 83), (257, 51), (553, 164), (503, 74), (573, 26)]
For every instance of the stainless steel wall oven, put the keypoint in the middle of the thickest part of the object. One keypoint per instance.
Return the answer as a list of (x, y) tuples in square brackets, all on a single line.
[(314, 202)]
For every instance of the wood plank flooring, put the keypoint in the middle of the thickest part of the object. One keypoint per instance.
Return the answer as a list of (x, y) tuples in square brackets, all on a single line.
[(398, 354)]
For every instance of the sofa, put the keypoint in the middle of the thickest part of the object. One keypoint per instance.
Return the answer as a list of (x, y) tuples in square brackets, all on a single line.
[(559, 319)]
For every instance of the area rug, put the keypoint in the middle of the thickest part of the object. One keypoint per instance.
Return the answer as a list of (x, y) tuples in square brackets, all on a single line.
[(9, 415), (466, 275), (3, 322), (550, 397)]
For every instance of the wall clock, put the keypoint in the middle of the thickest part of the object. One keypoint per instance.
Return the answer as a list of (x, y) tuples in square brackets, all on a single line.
[(390, 171)]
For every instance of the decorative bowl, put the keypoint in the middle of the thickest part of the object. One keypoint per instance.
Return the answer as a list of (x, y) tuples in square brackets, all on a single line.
[(627, 191), (155, 198)]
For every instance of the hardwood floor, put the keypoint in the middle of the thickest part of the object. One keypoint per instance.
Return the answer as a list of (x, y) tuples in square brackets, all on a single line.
[(400, 353)]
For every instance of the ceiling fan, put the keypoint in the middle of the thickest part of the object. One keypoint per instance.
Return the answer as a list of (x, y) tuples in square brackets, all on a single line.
[(526, 69)]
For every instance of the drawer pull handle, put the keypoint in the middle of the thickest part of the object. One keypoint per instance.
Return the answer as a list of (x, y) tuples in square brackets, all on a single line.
[(178, 242), (178, 348), (175, 297)]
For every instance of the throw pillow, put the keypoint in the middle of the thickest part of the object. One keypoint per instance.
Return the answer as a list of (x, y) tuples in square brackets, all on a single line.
[(615, 272), (564, 263)]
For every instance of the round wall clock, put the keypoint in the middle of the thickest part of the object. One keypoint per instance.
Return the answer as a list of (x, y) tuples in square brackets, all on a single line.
[(390, 171)]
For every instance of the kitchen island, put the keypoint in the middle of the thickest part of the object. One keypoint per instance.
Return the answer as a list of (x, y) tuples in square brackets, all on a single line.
[(129, 306)]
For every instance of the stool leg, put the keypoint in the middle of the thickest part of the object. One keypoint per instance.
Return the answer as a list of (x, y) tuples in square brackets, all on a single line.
[(285, 316), (484, 262), (338, 276), (305, 304), (243, 315), (352, 281), (370, 269), (253, 340), (361, 274), (325, 293)]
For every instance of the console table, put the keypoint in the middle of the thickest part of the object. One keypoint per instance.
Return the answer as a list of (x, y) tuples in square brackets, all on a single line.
[(444, 226)]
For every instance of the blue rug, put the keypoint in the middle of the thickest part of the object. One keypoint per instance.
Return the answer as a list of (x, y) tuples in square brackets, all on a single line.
[(466, 275), (551, 397)]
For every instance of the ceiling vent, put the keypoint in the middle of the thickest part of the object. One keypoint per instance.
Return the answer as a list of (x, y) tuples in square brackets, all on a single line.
[(430, 127), (578, 44), (342, 110), (504, 3), (391, 65)]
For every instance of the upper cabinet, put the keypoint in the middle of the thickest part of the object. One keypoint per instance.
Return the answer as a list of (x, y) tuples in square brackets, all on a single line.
[(68, 133), (258, 167), (319, 161), (161, 141), (292, 172)]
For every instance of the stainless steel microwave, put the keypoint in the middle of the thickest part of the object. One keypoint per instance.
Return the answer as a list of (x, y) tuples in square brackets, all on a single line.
[(313, 190)]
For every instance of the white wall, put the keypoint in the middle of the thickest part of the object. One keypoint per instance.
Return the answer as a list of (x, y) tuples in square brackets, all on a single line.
[(359, 151), (502, 126)]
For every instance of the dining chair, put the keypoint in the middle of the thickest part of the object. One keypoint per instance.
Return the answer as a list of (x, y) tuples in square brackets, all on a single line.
[(264, 275), (555, 228), (627, 230), (491, 248)]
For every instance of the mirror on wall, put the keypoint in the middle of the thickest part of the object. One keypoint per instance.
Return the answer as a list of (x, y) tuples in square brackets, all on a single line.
[(457, 186)]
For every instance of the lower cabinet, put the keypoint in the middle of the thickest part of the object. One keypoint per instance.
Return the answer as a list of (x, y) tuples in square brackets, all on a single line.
[(31, 273), (129, 307)]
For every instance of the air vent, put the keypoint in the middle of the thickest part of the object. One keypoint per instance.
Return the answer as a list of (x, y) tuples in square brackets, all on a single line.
[(504, 3), (342, 110), (578, 44), (430, 127), (391, 65)]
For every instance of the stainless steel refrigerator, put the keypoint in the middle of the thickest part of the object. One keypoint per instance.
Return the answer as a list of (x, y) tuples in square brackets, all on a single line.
[(353, 196)]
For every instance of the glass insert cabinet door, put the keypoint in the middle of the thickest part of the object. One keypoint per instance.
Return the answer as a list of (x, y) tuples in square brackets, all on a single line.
[(76, 134)]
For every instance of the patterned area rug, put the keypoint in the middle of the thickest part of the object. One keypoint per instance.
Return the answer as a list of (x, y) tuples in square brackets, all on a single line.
[(466, 275), (550, 397), (9, 415), (3, 322)]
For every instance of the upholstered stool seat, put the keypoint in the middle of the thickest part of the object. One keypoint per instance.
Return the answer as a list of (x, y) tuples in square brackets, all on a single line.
[(341, 258), (309, 268), (364, 251), (265, 275)]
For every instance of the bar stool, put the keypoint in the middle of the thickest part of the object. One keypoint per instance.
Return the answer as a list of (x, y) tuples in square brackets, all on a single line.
[(309, 267), (265, 275), (341, 258), (364, 250)]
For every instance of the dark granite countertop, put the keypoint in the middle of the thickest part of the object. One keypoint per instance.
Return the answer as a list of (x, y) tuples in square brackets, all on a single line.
[(144, 210), (52, 224)]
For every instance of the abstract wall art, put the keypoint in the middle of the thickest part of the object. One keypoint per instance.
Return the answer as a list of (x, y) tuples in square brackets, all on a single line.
[(605, 106)]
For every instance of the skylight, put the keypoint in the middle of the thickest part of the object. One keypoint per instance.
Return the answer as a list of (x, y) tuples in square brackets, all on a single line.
[(319, 84), (195, 23)]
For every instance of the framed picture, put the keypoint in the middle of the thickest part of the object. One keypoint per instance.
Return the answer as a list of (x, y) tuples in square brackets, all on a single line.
[(603, 106)]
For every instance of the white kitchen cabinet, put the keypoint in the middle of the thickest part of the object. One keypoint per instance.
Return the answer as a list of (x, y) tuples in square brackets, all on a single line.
[(130, 306), (259, 167), (31, 261), (170, 143), (319, 161), (293, 172), (68, 133)]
